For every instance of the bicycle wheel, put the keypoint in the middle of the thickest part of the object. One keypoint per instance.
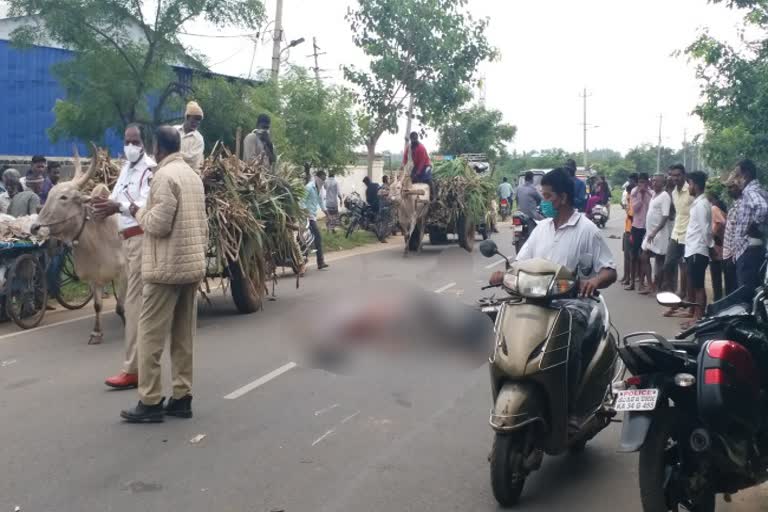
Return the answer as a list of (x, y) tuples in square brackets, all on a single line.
[(27, 294), (70, 291)]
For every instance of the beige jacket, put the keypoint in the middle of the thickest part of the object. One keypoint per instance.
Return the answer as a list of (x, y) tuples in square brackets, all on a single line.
[(175, 225)]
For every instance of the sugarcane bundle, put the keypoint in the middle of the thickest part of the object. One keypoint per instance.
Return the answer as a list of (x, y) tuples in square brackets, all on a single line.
[(461, 192), (253, 213)]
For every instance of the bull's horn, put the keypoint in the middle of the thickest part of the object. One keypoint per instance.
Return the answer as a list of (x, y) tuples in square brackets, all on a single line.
[(81, 178)]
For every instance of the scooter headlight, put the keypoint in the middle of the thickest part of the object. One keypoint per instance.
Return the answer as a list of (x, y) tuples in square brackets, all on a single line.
[(536, 285)]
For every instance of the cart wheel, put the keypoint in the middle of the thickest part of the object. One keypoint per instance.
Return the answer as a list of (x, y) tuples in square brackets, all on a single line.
[(67, 277), (27, 291), (246, 298)]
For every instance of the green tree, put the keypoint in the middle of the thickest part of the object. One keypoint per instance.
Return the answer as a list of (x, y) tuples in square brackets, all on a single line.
[(476, 130), (733, 86), (427, 50), (124, 50), (319, 120), (644, 158)]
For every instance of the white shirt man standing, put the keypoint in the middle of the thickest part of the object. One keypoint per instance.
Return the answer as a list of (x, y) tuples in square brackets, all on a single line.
[(131, 190), (698, 241), (192, 142)]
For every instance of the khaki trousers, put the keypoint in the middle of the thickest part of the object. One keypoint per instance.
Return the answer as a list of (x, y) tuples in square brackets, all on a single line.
[(131, 296), (166, 309)]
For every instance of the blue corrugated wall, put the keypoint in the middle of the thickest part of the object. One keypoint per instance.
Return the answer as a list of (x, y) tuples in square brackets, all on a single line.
[(28, 93)]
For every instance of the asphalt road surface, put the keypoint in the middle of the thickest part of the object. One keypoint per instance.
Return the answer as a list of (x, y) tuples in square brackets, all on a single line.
[(269, 435)]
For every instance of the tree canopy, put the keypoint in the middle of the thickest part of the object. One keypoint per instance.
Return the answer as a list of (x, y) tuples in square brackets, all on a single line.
[(121, 72), (476, 130), (433, 62)]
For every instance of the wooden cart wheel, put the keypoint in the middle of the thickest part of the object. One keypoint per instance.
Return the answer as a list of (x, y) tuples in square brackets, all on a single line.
[(67, 277), (246, 297), (26, 291)]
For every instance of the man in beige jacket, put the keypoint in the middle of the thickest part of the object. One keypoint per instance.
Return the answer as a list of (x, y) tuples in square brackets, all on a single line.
[(173, 264)]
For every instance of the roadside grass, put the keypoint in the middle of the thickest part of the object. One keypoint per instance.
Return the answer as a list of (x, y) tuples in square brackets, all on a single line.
[(333, 242)]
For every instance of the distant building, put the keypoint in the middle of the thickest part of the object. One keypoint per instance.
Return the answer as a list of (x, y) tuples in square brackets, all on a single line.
[(28, 93)]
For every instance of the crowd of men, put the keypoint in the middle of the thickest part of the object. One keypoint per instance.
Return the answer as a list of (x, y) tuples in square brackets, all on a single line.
[(677, 227)]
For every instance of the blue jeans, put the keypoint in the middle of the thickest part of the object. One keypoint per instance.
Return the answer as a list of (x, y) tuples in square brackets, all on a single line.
[(748, 267)]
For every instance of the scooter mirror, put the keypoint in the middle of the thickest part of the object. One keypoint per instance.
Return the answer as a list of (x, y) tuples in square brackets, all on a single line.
[(668, 299), (489, 249)]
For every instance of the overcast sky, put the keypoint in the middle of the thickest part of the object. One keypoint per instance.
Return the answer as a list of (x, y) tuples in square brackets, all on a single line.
[(621, 50)]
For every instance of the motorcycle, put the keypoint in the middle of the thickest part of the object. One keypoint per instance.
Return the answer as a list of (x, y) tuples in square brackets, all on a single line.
[(695, 407), (360, 215), (522, 226), (599, 215), (504, 209), (552, 369), (306, 242)]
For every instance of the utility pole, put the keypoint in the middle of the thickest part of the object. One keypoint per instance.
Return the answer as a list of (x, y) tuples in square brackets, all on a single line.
[(277, 41), (685, 148), (586, 127), (316, 54), (658, 148)]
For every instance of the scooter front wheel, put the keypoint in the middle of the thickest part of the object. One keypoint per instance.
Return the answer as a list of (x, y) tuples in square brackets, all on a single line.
[(507, 471)]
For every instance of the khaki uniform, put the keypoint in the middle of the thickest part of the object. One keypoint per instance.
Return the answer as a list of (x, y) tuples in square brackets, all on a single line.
[(173, 264), (132, 300)]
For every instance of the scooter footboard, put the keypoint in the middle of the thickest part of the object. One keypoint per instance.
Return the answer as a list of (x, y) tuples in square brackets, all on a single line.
[(518, 404)]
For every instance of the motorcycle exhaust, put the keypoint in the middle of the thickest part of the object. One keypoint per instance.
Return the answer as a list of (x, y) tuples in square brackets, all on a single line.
[(700, 440)]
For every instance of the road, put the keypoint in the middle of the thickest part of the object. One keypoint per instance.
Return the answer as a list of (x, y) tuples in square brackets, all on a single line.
[(268, 436)]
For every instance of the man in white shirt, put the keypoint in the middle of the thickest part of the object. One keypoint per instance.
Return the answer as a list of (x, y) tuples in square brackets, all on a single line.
[(698, 242), (130, 193), (192, 142), (569, 238), (658, 229)]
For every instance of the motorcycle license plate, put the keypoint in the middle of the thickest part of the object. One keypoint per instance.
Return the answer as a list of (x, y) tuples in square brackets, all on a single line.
[(636, 400), (518, 229)]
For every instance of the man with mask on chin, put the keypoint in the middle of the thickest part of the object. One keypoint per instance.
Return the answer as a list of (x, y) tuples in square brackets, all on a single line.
[(567, 237), (130, 193)]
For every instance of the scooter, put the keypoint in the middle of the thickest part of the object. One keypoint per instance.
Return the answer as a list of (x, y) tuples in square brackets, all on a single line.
[(522, 225), (504, 209), (554, 361)]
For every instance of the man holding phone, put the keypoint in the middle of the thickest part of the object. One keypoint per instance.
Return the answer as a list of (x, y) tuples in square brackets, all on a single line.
[(130, 193)]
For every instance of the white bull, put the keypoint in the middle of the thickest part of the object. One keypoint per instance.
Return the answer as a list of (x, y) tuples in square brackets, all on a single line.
[(97, 249), (412, 207)]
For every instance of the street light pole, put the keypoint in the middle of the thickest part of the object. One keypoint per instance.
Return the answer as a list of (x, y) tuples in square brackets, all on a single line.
[(658, 147), (277, 40)]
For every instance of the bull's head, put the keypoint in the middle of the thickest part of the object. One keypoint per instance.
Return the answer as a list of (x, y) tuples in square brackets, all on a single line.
[(65, 209)]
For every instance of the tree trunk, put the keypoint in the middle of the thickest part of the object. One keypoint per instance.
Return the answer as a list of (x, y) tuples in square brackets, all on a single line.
[(371, 145)]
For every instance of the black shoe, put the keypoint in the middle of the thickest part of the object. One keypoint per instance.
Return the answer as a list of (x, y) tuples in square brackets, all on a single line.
[(181, 408), (322, 266), (143, 413)]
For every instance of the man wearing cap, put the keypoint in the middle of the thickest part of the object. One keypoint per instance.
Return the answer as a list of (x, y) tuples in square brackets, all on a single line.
[(192, 142), (21, 202), (130, 193)]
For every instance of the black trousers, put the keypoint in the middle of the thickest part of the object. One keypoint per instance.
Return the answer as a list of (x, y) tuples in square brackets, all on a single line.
[(729, 270), (318, 241), (716, 268), (748, 270)]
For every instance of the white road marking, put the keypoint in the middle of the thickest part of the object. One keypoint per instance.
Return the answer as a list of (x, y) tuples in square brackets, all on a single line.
[(495, 264), (260, 381), (323, 411), (349, 417), (446, 287), (198, 438), (330, 432), (7, 362)]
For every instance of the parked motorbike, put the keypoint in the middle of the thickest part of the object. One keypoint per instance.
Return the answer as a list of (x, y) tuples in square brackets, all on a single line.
[(522, 226), (306, 241), (505, 209), (695, 407), (554, 361), (599, 215), (360, 215)]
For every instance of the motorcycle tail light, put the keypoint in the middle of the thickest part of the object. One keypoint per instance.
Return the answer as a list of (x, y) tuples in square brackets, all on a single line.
[(635, 380), (714, 376), (516, 221)]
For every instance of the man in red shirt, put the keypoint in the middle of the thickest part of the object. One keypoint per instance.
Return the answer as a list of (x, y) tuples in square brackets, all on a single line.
[(422, 166)]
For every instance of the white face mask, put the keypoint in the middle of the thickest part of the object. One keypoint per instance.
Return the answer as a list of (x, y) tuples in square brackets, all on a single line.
[(133, 153)]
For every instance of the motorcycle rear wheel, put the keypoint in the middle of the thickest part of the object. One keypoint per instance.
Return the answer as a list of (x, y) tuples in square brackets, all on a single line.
[(659, 460), (507, 472)]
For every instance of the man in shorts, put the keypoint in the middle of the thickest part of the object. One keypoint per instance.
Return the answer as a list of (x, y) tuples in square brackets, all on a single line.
[(640, 199), (698, 243)]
